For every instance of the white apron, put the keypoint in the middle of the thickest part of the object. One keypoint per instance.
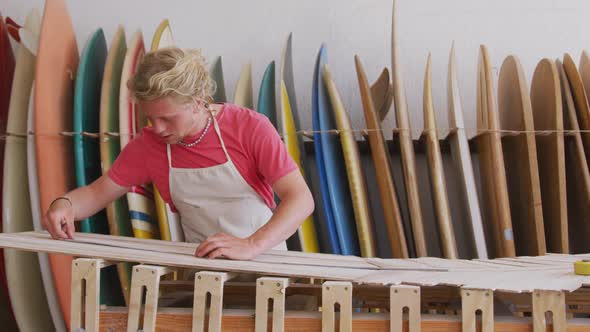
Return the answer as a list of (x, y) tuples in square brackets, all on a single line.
[(216, 199)]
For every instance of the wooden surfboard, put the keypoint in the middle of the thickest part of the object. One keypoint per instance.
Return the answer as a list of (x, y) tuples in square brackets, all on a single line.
[(577, 172), (585, 76), (140, 199), (520, 159), (406, 145), (243, 96), (335, 170), (462, 162), (57, 63), (354, 171), (87, 149), (391, 212), (23, 274), (117, 211), (437, 174), (496, 207), (168, 220), (216, 72), (546, 102)]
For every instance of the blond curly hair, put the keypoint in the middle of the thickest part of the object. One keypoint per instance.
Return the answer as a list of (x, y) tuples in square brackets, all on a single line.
[(172, 72)]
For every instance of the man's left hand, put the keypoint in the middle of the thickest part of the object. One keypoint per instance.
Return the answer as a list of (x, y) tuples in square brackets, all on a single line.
[(224, 245)]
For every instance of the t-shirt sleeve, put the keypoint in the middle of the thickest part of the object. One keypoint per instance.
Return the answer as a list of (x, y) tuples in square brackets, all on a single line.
[(269, 152), (130, 167)]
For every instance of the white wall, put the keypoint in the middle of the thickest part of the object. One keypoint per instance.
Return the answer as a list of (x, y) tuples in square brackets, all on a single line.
[(241, 31)]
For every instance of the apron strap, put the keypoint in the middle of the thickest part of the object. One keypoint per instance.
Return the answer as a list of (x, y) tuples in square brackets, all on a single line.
[(169, 156), (218, 131)]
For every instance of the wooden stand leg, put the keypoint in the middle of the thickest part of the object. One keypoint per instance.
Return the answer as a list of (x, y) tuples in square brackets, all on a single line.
[(549, 301), (473, 300), (275, 289), (208, 283), (400, 297), (86, 269), (147, 276), (336, 292)]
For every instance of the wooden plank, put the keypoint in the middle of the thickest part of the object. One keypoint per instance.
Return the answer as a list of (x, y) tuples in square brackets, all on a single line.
[(547, 109), (208, 284), (473, 300), (18, 241), (404, 297), (336, 292), (462, 161), (270, 289), (437, 174), (554, 302), (179, 319), (407, 147), (148, 277), (520, 159), (496, 208)]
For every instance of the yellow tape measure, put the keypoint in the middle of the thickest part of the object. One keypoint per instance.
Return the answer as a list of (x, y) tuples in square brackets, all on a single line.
[(582, 267)]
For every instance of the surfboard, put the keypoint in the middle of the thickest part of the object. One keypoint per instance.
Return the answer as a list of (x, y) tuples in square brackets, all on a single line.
[(339, 196), (117, 211), (577, 172), (216, 73), (494, 190), (546, 102), (307, 233), (140, 199), (7, 64), (57, 63), (168, 220), (520, 159), (462, 163), (381, 162), (406, 145), (355, 175), (436, 171), (243, 96), (326, 207), (23, 274), (382, 94), (583, 110), (314, 227), (266, 95), (87, 149), (46, 275)]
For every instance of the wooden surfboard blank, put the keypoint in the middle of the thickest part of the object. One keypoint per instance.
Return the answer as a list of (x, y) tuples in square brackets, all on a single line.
[(577, 173), (520, 159), (436, 171), (356, 178), (580, 100), (496, 207), (462, 160), (546, 102), (406, 144)]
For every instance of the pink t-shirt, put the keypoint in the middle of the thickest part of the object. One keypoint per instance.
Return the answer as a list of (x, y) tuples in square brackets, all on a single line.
[(252, 142)]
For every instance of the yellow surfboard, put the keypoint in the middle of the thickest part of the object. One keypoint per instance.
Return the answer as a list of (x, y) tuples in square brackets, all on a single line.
[(307, 232), (169, 221)]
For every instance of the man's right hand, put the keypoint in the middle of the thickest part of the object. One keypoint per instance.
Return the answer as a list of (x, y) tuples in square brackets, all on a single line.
[(59, 220)]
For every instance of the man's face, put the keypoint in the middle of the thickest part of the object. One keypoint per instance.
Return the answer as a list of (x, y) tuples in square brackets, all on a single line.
[(170, 121)]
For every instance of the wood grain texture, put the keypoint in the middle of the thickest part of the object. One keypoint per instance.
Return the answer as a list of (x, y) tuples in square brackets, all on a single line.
[(436, 171), (546, 102), (406, 145), (496, 207), (520, 159), (577, 173)]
